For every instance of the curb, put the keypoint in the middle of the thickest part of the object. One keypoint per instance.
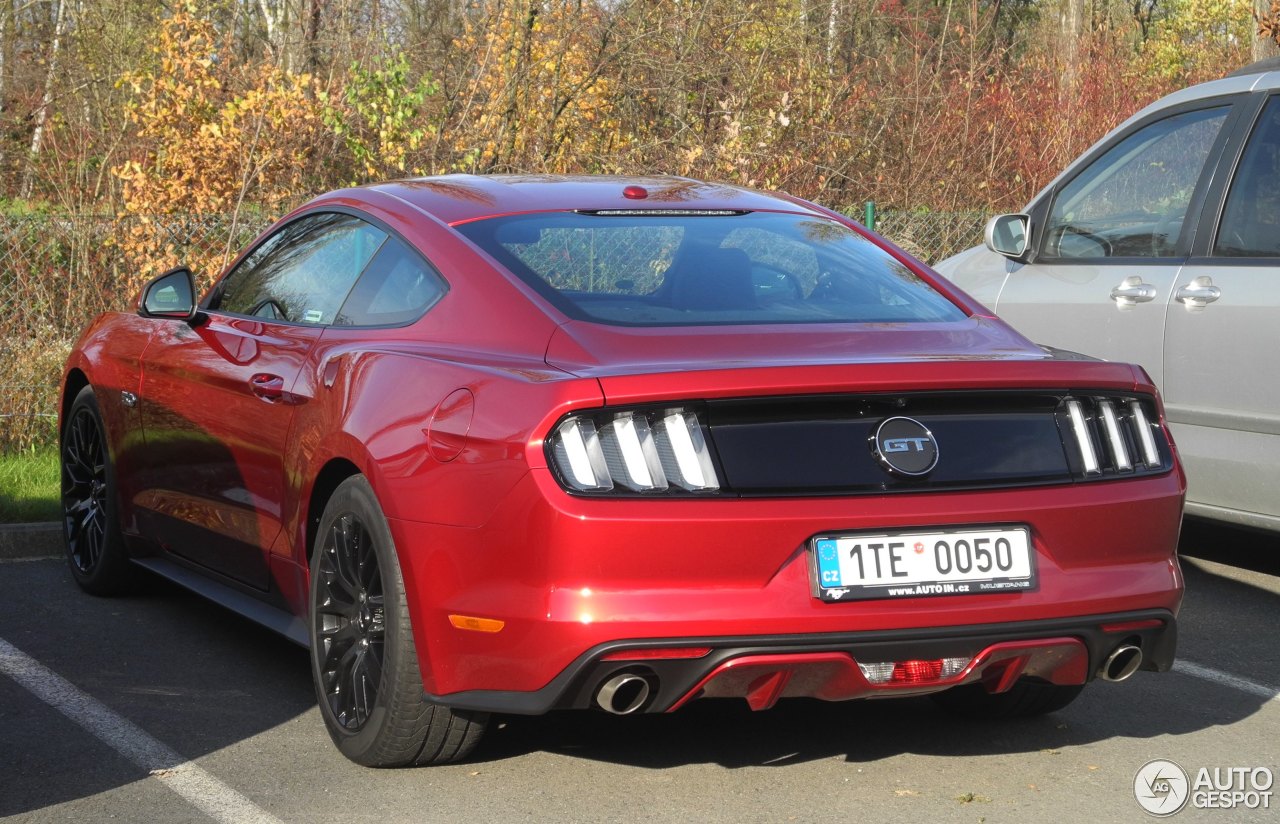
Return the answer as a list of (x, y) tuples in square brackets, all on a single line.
[(23, 541)]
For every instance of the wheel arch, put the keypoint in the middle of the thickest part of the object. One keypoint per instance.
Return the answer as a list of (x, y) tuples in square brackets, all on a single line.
[(334, 472), (72, 384)]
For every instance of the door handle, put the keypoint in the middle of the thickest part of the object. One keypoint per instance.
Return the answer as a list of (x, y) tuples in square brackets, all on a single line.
[(1198, 293), (1133, 291), (268, 387)]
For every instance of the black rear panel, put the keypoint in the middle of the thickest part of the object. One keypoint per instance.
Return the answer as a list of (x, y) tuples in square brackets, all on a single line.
[(822, 444)]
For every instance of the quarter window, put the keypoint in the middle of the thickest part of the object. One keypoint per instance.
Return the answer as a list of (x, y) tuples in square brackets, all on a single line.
[(1251, 221), (303, 273), (1133, 201), (397, 287)]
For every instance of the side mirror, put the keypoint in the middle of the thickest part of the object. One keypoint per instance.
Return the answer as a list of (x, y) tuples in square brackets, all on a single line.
[(1009, 235), (171, 295)]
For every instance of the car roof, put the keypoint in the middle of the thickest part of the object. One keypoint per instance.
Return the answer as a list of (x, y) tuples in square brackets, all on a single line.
[(1238, 81), (460, 198)]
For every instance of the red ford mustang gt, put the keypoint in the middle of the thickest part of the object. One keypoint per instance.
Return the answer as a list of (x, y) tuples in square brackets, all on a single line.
[(515, 444)]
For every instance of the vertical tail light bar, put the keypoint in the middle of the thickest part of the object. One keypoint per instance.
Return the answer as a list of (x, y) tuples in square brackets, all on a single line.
[(1115, 441), (578, 454), (1150, 455), (1084, 439)]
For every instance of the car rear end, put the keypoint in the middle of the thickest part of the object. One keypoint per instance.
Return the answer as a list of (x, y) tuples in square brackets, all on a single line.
[(835, 509)]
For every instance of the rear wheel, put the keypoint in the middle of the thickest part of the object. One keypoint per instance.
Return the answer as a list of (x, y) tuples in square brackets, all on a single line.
[(363, 656), (1026, 698), (90, 518)]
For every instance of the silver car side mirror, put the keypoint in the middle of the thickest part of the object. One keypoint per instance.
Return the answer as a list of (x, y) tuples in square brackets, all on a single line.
[(1008, 235)]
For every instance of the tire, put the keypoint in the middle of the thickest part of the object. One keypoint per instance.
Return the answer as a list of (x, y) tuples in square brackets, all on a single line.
[(90, 502), (1026, 698), (363, 657)]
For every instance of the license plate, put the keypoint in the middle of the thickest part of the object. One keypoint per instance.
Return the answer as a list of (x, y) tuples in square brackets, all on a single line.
[(921, 564)]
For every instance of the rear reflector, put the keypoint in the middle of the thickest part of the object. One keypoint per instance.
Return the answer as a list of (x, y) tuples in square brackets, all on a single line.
[(1130, 626), (657, 653), (913, 672), (476, 624)]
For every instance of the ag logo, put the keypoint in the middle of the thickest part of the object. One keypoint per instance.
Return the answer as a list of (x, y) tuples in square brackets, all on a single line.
[(1161, 787), (904, 447)]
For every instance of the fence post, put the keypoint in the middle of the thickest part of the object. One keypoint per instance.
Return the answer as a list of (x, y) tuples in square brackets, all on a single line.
[(870, 221)]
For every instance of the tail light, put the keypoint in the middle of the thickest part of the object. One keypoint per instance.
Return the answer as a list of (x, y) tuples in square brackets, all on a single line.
[(633, 451), (1110, 436)]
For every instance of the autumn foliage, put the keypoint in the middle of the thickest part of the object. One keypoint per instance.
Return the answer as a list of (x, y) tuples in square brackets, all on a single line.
[(210, 139), (223, 107)]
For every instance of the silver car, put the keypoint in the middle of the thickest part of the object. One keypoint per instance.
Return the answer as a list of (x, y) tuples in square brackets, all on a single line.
[(1161, 246)]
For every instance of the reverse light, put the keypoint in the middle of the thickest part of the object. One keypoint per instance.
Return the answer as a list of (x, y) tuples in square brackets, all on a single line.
[(914, 671), (647, 451)]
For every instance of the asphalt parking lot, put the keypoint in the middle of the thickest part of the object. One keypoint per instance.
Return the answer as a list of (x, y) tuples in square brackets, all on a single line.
[(202, 716)]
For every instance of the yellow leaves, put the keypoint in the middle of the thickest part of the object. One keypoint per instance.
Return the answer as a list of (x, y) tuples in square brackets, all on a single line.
[(208, 139)]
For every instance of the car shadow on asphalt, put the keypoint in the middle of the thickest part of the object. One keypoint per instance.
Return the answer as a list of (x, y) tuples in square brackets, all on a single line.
[(1241, 547)]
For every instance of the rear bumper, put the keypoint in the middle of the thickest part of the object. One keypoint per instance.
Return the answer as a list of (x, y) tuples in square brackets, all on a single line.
[(764, 669), (568, 576)]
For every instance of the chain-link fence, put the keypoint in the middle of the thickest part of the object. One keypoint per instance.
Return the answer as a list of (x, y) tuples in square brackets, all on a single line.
[(58, 272), (932, 236)]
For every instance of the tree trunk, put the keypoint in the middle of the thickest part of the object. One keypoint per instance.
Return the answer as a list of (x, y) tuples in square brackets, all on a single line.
[(833, 20), (1263, 47), (42, 113), (1072, 32)]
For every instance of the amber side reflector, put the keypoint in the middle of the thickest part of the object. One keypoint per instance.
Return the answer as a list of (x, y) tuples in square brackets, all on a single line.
[(1130, 626), (477, 624), (657, 653)]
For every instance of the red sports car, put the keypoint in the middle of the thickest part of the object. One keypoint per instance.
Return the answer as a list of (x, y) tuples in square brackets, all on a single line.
[(515, 444)]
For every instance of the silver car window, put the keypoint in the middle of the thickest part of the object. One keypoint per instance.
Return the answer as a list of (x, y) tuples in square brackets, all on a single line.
[(1251, 221), (1132, 201)]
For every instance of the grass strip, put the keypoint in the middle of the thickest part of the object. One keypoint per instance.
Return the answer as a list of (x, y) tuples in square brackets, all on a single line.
[(29, 486)]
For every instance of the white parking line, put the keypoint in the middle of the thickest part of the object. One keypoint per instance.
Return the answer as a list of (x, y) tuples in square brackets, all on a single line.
[(1226, 679), (177, 773)]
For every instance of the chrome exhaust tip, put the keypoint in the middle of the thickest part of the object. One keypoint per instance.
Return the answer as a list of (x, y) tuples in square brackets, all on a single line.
[(1121, 663), (623, 694)]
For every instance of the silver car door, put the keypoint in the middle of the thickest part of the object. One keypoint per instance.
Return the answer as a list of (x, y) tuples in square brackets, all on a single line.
[(1222, 344), (1112, 241)]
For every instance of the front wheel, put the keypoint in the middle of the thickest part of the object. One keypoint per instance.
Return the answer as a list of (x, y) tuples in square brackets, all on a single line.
[(363, 656), (1025, 698), (90, 520)]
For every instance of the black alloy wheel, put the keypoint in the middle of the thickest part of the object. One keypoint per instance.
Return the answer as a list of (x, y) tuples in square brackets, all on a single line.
[(350, 618), (95, 547), (363, 656)]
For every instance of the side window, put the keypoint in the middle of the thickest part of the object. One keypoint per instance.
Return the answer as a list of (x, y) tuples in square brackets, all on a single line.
[(302, 273), (1132, 201), (397, 287), (1251, 220)]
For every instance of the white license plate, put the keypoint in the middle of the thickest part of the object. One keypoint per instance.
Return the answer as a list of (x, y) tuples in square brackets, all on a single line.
[(919, 564)]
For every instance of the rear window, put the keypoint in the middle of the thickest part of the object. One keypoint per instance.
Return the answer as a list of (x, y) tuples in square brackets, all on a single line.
[(679, 269)]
